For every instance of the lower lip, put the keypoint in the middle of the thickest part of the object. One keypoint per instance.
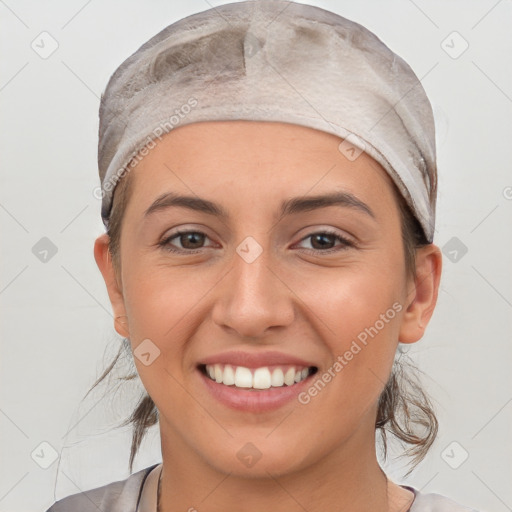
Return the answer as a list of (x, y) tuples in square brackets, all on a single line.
[(257, 400)]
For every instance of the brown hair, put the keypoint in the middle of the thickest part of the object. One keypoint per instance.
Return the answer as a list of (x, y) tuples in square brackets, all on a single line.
[(404, 408)]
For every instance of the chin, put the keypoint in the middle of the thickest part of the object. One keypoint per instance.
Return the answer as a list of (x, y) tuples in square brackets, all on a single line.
[(259, 457)]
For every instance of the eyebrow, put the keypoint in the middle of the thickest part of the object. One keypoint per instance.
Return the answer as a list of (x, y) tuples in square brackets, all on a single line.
[(288, 207)]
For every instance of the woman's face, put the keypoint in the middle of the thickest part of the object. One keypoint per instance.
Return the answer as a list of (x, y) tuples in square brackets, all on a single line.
[(259, 280)]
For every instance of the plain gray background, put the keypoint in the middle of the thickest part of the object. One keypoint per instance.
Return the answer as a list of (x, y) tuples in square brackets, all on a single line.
[(56, 324)]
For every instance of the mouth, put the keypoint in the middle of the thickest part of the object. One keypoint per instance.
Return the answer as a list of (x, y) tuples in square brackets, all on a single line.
[(255, 382), (257, 379)]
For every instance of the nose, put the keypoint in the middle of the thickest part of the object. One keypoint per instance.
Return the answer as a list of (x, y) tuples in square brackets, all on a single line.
[(253, 298)]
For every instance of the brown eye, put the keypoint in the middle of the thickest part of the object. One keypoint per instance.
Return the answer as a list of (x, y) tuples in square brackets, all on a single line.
[(322, 241), (325, 241), (191, 240), (187, 242)]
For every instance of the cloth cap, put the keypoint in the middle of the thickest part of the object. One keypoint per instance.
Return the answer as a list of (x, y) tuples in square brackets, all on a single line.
[(273, 60)]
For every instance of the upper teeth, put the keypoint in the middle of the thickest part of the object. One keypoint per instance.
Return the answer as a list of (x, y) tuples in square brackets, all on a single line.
[(257, 378)]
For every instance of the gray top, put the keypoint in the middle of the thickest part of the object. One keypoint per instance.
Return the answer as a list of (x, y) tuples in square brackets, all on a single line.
[(125, 496)]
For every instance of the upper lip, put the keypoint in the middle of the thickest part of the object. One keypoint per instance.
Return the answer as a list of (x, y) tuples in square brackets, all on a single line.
[(255, 359)]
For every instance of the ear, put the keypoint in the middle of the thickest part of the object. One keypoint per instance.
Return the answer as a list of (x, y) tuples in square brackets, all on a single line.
[(104, 262), (422, 296)]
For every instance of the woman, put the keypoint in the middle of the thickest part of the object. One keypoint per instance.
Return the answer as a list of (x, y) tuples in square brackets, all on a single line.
[(269, 184)]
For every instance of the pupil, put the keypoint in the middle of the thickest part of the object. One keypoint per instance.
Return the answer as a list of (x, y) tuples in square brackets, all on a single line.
[(324, 238), (189, 237)]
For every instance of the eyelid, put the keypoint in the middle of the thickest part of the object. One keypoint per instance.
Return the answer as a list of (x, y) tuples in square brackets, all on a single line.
[(164, 241), (187, 228), (346, 241)]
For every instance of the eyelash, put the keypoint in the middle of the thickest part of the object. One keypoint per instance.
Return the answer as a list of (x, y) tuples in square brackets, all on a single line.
[(346, 243)]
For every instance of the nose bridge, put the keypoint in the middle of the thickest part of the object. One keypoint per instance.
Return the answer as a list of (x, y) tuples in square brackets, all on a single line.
[(252, 298)]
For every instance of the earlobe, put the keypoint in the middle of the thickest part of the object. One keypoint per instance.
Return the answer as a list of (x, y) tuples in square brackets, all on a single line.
[(422, 298), (104, 261)]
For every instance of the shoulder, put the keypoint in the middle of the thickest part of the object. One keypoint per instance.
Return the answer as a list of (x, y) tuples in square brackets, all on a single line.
[(114, 497), (432, 502)]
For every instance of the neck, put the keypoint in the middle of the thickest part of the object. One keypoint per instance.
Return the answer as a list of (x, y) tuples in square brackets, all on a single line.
[(348, 479)]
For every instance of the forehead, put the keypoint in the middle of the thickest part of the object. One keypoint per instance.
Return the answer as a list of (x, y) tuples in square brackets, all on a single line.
[(257, 159)]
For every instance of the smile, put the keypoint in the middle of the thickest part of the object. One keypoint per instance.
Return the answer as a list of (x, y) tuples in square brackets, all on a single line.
[(261, 378)]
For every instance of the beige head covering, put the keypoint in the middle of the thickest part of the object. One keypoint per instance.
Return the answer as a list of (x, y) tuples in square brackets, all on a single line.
[(273, 60)]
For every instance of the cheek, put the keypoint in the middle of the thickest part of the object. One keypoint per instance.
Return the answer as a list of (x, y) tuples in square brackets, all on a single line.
[(165, 306), (358, 313), (159, 300), (162, 306), (348, 300)]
